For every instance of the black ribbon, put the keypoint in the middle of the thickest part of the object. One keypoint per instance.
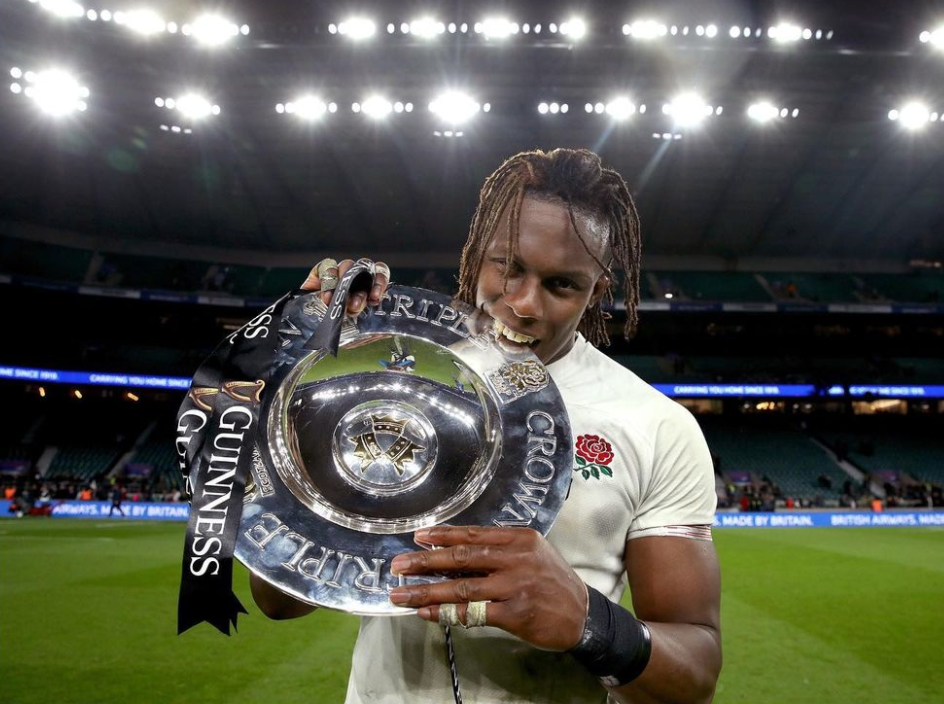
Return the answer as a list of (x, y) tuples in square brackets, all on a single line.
[(328, 334), (217, 428)]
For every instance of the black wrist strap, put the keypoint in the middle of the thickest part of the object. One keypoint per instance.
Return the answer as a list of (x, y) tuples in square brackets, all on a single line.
[(615, 646)]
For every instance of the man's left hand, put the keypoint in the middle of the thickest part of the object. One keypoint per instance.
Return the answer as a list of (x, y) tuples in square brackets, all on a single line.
[(532, 592)]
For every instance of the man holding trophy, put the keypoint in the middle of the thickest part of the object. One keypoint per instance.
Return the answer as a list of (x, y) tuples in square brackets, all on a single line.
[(538, 618)]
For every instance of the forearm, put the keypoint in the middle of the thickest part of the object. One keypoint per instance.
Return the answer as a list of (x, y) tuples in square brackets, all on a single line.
[(274, 603), (683, 667)]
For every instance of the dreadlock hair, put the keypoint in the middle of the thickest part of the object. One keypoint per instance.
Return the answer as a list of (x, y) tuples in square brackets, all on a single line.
[(578, 179)]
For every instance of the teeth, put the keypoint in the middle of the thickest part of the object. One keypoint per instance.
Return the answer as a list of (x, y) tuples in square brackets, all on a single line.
[(500, 329)]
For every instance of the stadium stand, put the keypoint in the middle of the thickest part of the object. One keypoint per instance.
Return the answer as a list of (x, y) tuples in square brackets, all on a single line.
[(918, 287), (816, 287), (712, 286), (158, 455), (44, 261), (85, 441), (781, 456), (245, 280), (908, 449), (275, 282), (134, 271)]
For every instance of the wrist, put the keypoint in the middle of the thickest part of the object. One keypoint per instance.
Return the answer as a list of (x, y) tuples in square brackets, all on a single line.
[(615, 646)]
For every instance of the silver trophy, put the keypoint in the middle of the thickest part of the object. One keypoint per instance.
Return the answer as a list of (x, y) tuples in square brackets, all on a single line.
[(424, 417)]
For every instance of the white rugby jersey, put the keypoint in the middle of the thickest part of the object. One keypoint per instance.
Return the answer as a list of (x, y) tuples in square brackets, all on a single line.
[(641, 468)]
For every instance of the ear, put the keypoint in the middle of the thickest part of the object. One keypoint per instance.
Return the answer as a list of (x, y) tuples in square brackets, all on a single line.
[(599, 288)]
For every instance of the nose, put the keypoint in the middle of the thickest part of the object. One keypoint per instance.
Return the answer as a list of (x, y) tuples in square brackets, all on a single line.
[(523, 296)]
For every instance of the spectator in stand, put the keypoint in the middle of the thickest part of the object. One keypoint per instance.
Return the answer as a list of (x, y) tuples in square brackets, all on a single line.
[(85, 494), (877, 506), (9, 493)]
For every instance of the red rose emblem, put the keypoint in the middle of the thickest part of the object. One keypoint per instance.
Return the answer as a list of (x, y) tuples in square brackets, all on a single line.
[(594, 449)]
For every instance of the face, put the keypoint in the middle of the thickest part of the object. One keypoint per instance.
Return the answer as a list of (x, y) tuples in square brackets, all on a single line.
[(551, 279)]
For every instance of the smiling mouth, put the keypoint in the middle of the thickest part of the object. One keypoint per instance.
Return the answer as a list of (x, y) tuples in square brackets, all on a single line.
[(502, 330)]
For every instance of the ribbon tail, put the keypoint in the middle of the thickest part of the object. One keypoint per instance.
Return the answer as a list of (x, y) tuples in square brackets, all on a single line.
[(220, 614)]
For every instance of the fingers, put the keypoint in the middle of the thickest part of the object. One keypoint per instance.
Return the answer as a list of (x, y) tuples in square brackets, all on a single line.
[(496, 613), (325, 275), (458, 558), (313, 282), (381, 280), (322, 277), (443, 536), (451, 592), (330, 276)]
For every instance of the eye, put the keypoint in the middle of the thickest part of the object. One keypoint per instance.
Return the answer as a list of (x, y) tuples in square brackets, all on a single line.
[(562, 283)]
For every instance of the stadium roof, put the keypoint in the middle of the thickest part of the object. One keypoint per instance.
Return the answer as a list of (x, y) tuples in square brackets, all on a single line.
[(838, 179)]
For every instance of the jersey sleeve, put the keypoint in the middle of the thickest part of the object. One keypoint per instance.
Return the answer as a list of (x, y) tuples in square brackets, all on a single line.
[(680, 499)]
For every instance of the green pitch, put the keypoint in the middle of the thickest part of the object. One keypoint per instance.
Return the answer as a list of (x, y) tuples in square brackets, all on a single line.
[(87, 615)]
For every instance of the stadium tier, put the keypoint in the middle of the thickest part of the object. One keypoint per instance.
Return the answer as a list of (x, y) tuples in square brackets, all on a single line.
[(712, 286), (159, 461), (783, 457), (56, 263), (898, 450), (43, 261)]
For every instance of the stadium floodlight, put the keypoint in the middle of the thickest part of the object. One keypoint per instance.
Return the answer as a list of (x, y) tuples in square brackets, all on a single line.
[(645, 29), (621, 108), (912, 116), (687, 110), (357, 28), (762, 112), (574, 27), (711, 31), (63, 8), (195, 106), (377, 107), (212, 30), (935, 37), (497, 27), (55, 92), (307, 107), (785, 32), (144, 21), (454, 107), (427, 27)]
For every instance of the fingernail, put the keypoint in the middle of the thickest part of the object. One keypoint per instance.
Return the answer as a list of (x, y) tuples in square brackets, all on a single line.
[(375, 294), (425, 613), (421, 534), (400, 565), (398, 596), (326, 297), (357, 302)]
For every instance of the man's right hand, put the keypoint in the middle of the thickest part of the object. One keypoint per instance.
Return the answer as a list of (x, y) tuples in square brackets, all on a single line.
[(324, 277)]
